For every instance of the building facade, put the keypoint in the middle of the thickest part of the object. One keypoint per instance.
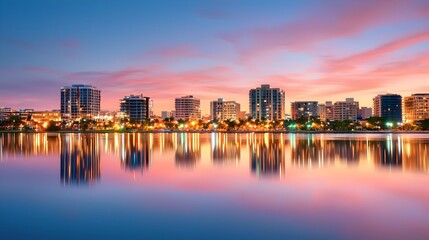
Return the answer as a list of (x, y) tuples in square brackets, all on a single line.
[(416, 107), (346, 110), (364, 113), (5, 113), (136, 107), (221, 109), (187, 107), (166, 114), (267, 103), (80, 101), (326, 111), (303, 109), (388, 106)]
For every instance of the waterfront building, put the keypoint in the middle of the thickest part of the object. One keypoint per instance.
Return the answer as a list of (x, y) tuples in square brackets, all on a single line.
[(187, 107), (364, 113), (388, 106), (346, 110), (23, 114), (5, 113), (80, 101), (416, 107), (166, 114), (326, 111), (42, 118), (304, 108), (136, 107), (267, 103), (221, 109)]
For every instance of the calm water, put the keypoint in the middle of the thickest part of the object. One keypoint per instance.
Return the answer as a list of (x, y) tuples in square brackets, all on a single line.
[(214, 186)]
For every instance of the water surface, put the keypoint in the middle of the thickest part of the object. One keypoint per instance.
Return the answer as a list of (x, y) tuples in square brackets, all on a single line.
[(214, 186)]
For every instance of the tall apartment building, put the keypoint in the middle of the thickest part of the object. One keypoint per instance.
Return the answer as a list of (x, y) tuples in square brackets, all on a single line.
[(346, 110), (388, 106), (187, 107), (303, 108), (326, 111), (221, 109), (136, 107), (80, 101), (267, 103), (416, 107)]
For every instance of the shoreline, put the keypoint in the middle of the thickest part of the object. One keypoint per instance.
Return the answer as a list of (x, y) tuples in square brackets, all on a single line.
[(210, 131)]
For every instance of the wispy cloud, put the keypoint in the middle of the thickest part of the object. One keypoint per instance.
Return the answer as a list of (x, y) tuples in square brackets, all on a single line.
[(332, 21), (18, 43), (353, 61)]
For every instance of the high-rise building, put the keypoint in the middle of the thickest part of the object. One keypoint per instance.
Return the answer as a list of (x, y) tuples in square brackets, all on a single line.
[(80, 101), (304, 108), (267, 103), (346, 110), (187, 107), (326, 111), (136, 107), (221, 109), (388, 106), (364, 113), (416, 107)]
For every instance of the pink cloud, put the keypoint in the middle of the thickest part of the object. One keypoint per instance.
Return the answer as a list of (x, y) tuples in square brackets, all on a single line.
[(177, 51), (173, 52), (351, 62), (331, 84), (325, 24)]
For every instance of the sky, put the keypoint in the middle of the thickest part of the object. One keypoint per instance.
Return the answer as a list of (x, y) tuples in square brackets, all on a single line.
[(312, 49)]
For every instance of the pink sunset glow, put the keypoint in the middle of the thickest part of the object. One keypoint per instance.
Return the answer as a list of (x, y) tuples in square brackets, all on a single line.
[(319, 52)]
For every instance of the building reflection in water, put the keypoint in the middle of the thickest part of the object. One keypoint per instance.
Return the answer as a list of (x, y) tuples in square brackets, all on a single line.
[(188, 150), (225, 148), (267, 154), (308, 151), (80, 158), (387, 152), (28, 144), (136, 150)]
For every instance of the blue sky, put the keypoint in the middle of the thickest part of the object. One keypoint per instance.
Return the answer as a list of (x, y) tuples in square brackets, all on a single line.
[(314, 50)]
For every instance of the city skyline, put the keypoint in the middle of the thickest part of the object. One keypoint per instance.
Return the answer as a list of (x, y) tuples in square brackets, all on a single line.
[(213, 50)]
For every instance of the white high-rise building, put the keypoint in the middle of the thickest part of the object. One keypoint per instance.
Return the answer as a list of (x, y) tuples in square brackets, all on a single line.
[(346, 110), (80, 101)]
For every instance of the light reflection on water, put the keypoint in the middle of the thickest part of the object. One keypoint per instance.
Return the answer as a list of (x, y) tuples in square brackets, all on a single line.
[(256, 176), (269, 153)]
